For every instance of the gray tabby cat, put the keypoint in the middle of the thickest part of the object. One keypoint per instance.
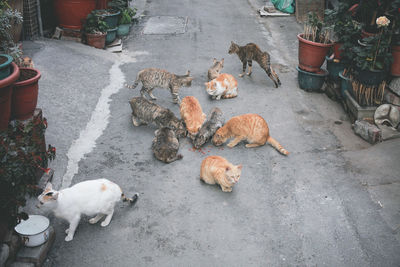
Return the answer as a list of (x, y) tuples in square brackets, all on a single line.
[(215, 69), (152, 78), (144, 111), (214, 121), (166, 145)]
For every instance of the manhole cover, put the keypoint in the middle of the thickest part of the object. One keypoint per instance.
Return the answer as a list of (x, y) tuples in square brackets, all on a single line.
[(165, 25)]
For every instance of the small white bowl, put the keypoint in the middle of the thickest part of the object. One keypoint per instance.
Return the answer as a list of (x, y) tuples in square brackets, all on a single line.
[(34, 231)]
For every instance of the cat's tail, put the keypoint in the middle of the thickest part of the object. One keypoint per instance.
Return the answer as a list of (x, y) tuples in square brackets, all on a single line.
[(277, 146), (135, 84), (229, 96), (130, 200)]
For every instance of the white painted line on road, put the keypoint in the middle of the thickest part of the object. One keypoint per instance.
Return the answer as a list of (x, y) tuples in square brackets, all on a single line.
[(95, 127)]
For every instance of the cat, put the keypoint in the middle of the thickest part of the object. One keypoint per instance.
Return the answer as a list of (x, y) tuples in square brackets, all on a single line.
[(192, 115), (250, 127), (217, 170), (225, 86), (153, 77), (251, 52), (92, 197), (166, 145), (215, 69), (214, 121), (27, 63), (145, 111)]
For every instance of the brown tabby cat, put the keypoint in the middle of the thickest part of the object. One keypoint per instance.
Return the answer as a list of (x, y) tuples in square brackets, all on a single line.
[(217, 170), (251, 52), (192, 115), (215, 69), (152, 78), (250, 127)]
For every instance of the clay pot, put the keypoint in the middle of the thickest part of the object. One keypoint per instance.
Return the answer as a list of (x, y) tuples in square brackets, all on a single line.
[(337, 50), (6, 86), (311, 54), (395, 67), (71, 13), (96, 40), (25, 94)]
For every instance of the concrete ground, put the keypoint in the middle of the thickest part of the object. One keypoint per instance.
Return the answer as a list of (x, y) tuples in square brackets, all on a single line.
[(334, 201)]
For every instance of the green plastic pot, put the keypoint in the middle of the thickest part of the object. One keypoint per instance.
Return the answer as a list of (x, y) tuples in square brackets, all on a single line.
[(310, 81), (110, 17), (370, 77), (345, 85), (111, 35), (334, 68), (123, 29), (5, 65)]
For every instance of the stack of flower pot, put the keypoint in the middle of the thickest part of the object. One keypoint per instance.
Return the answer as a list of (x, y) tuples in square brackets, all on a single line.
[(18, 91), (312, 55)]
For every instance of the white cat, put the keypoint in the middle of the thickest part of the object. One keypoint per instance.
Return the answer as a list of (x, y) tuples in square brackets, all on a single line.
[(93, 197)]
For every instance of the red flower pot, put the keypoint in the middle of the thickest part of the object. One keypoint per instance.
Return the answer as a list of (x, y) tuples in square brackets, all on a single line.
[(365, 34), (5, 96), (25, 94), (96, 40), (395, 68), (311, 54), (337, 50), (102, 4), (71, 13)]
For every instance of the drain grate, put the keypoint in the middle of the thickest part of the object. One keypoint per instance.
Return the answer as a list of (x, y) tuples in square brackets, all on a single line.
[(165, 25)]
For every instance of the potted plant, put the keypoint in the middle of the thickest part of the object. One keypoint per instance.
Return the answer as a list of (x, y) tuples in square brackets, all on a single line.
[(95, 30), (25, 94), (21, 156), (394, 11), (5, 96), (311, 81), (314, 44), (8, 18), (125, 21), (71, 13), (372, 56), (5, 65)]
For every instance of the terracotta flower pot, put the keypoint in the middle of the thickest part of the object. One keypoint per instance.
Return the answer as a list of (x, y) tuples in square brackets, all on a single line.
[(311, 54), (337, 50), (25, 94), (6, 86), (395, 68), (71, 13), (96, 40)]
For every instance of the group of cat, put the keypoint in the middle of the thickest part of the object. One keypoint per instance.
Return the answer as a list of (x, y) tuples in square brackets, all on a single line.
[(98, 197), (193, 123)]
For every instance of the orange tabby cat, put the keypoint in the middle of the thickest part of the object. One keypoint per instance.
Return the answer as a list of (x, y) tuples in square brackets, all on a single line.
[(225, 86), (27, 63), (217, 170), (250, 127), (192, 115)]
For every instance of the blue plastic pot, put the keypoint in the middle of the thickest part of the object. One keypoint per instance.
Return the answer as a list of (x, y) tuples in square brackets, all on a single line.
[(111, 35), (110, 19), (345, 85), (334, 68), (310, 81), (123, 29), (5, 66)]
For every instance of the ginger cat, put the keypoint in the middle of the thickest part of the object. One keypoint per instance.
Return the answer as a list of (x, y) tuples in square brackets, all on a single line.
[(225, 86), (192, 115), (217, 170), (250, 127)]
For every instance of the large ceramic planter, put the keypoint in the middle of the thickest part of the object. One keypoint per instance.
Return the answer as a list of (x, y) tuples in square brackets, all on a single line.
[(370, 77), (110, 17), (71, 13), (111, 35), (311, 54), (345, 85), (123, 29), (6, 86), (395, 68), (334, 68), (96, 40), (310, 81), (5, 65), (25, 94)]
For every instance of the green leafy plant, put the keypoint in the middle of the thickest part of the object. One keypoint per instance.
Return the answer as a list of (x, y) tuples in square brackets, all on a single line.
[(127, 15), (118, 5), (315, 29), (8, 17), (22, 154), (95, 24)]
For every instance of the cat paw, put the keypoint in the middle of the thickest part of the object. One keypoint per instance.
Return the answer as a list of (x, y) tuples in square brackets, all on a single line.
[(93, 221), (241, 75), (104, 223), (226, 189), (248, 74), (67, 231), (68, 238)]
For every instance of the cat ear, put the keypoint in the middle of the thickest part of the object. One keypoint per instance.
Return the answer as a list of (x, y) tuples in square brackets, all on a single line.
[(156, 132), (222, 60), (49, 186), (240, 166), (55, 196), (214, 60)]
